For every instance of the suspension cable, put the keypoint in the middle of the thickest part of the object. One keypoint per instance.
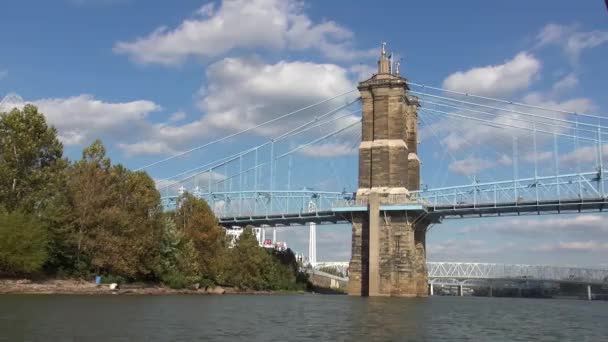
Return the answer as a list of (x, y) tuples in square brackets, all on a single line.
[(242, 131), (502, 125), (507, 102), (236, 156), (496, 115), (508, 110)]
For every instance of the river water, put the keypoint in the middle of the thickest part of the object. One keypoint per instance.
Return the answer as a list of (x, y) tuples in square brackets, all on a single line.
[(298, 318)]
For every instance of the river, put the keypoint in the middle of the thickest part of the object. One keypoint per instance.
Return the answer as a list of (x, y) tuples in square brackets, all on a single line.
[(297, 318)]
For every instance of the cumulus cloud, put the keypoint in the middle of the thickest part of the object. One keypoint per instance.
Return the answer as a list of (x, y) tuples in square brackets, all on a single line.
[(146, 148), (189, 181), (329, 150), (470, 166), (583, 155), (83, 117), (265, 90), (79, 119), (363, 72), (571, 39), (573, 246), (584, 224), (242, 24), (177, 116), (465, 251), (497, 135), (497, 80), (566, 83)]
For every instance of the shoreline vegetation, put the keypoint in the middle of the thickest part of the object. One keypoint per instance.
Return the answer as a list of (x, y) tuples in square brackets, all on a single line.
[(84, 287), (80, 219)]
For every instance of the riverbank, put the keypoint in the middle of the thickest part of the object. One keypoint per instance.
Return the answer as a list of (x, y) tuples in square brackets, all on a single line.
[(82, 287)]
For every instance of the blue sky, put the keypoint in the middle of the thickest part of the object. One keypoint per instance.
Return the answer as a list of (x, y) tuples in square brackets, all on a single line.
[(152, 78)]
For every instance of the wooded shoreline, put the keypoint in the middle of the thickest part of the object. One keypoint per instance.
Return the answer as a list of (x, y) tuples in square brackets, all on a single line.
[(83, 287)]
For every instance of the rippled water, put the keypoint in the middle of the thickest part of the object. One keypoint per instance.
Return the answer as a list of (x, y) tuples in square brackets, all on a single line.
[(298, 318)]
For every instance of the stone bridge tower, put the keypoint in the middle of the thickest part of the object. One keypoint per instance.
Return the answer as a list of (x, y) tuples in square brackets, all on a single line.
[(388, 239)]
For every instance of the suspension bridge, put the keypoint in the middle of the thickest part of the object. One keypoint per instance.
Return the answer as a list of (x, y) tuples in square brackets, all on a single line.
[(513, 158), (393, 157)]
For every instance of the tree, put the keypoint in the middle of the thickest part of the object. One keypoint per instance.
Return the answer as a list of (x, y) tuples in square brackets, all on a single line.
[(178, 258), (253, 267), (23, 243), (30, 160), (195, 218), (115, 216), (32, 177)]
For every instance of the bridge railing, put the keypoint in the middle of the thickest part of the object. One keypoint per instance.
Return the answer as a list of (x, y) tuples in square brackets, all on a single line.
[(263, 203), (457, 270), (590, 186), (571, 187), (483, 271), (390, 199)]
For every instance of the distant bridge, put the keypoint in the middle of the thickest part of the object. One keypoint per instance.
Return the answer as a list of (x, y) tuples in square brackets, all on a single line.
[(439, 272)]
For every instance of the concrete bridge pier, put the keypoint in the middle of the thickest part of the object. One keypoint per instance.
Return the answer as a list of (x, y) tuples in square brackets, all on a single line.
[(589, 295), (431, 290), (461, 290), (388, 247)]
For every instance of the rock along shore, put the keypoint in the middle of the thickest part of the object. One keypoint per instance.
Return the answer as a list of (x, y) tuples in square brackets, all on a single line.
[(82, 287)]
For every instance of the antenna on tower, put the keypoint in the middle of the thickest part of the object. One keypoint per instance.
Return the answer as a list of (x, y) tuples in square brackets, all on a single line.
[(398, 67)]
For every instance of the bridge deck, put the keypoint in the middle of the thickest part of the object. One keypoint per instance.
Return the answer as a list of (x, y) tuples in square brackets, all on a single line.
[(435, 213)]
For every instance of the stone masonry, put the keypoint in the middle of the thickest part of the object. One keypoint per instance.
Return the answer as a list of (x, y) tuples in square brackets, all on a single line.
[(388, 247)]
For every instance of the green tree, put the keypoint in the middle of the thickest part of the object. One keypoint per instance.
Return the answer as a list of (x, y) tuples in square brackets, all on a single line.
[(115, 216), (178, 257), (32, 177), (30, 160), (23, 243), (198, 223)]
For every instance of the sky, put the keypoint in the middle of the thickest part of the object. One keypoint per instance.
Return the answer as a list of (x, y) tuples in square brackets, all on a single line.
[(155, 78)]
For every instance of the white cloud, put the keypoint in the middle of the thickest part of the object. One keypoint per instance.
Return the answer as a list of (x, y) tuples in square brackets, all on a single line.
[(79, 119), (470, 166), (465, 251), (566, 83), (585, 154), (363, 71), (573, 41), (496, 80), (146, 148), (579, 105), (329, 150), (177, 116), (83, 117), (498, 134), (574, 246), (583, 224), (242, 24), (189, 181), (10, 101), (259, 91)]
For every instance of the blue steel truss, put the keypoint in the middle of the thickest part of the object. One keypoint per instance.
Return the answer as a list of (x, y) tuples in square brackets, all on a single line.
[(551, 195)]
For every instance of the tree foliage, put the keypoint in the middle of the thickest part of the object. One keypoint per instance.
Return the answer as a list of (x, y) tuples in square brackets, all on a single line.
[(115, 215), (92, 217), (178, 264), (23, 244), (30, 159), (253, 267), (198, 223)]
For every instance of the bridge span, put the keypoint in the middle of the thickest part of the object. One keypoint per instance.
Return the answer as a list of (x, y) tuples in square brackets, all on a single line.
[(462, 271), (538, 160)]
